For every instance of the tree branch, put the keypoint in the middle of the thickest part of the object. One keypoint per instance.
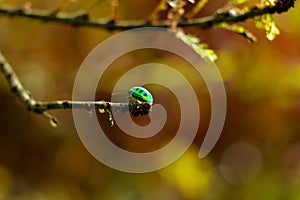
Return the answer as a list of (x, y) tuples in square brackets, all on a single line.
[(135, 107), (40, 107), (82, 18)]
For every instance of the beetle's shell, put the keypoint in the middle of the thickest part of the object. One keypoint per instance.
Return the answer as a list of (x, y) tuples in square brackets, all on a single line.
[(141, 94)]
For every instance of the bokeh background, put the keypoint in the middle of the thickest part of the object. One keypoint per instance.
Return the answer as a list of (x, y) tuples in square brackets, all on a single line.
[(257, 156)]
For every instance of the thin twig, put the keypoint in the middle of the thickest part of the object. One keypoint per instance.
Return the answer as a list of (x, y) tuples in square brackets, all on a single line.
[(83, 19), (40, 107), (196, 8), (162, 5), (239, 30), (114, 12)]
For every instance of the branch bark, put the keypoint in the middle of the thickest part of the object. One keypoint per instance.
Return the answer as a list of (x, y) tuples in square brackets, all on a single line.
[(83, 19)]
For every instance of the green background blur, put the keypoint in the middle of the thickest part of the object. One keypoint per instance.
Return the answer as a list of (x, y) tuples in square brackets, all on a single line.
[(257, 156)]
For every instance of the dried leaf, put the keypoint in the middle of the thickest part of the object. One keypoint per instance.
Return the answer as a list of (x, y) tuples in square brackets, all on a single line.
[(101, 110), (53, 122), (172, 4)]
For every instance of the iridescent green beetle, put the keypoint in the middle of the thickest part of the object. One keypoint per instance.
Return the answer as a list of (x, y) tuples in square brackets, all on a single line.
[(141, 94)]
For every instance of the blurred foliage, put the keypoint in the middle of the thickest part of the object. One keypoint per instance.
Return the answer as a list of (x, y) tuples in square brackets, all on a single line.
[(257, 156)]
